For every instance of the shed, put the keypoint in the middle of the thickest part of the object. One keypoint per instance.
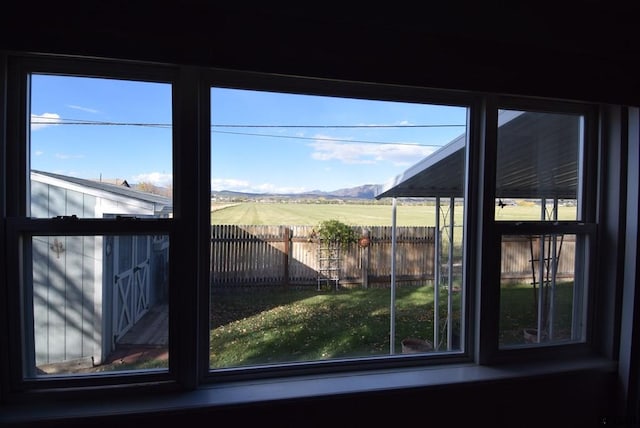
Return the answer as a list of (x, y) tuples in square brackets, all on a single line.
[(88, 291)]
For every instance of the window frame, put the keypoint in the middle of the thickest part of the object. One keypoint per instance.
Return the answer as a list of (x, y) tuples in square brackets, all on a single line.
[(189, 304), (586, 225), (20, 228), (359, 90)]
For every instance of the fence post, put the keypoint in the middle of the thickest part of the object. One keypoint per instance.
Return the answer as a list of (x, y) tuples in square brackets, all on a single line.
[(365, 244), (286, 237)]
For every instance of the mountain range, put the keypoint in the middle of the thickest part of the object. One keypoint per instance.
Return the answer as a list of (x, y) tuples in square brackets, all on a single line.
[(367, 191)]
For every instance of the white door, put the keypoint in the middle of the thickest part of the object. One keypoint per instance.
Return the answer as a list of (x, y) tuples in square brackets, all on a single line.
[(131, 282)]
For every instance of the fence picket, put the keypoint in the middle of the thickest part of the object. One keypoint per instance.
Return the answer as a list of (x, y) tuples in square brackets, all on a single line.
[(254, 255)]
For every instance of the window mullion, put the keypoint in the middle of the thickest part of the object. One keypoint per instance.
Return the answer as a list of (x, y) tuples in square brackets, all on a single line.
[(4, 357), (183, 318), (204, 226), (487, 300), (16, 135)]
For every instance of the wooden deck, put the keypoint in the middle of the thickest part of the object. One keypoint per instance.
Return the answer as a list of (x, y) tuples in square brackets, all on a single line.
[(151, 330)]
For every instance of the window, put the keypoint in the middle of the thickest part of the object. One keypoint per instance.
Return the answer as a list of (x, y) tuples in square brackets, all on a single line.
[(287, 167), (545, 219), (93, 222), (189, 207)]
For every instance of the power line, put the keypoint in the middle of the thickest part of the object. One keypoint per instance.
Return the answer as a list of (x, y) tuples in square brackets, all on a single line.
[(326, 139), (68, 121), (61, 121), (100, 123), (340, 126)]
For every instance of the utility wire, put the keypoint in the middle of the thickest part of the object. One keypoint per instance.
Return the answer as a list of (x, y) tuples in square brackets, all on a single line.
[(340, 126), (81, 122), (327, 139), (167, 125)]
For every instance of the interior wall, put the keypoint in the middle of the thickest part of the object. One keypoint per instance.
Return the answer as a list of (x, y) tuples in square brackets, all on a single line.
[(586, 52)]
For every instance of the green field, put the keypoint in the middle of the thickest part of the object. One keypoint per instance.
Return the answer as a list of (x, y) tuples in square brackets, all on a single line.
[(310, 214)]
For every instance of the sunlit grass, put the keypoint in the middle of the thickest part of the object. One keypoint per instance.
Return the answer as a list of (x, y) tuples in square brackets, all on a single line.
[(263, 327), (310, 214), (267, 326)]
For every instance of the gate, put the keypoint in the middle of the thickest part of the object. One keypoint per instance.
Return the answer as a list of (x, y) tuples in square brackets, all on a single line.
[(131, 282)]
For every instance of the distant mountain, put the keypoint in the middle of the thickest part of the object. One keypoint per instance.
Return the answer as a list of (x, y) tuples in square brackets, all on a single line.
[(367, 191)]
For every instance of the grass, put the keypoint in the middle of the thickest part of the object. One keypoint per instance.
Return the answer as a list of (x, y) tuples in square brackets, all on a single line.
[(268, 326), (310, 214), (518, 311)]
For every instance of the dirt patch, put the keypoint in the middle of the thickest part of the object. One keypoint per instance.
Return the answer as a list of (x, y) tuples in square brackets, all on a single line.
[(130, 357), (137, 354)]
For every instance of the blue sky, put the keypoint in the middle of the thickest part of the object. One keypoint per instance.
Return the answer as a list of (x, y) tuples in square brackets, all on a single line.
[(261, 141)]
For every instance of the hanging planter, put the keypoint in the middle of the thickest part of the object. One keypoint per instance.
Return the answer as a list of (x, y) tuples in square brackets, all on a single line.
[(364, 242)]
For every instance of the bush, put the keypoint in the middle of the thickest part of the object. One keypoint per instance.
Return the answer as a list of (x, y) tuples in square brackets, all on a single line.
[(336, 232)]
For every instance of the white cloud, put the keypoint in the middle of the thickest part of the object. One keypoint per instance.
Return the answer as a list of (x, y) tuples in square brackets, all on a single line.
[(229, 184), (39, 121), (271, 188), (68, 156), (87, 109), (235, 185), (398, 154), (38, 153), (155, 178)]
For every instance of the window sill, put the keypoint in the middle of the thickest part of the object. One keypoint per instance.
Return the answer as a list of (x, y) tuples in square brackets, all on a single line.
[(231, 394)]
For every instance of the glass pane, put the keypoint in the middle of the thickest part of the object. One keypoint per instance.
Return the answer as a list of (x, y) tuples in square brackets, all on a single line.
[(538, 166), (100, 147), (541, 290), (289, 172), (99, 304)]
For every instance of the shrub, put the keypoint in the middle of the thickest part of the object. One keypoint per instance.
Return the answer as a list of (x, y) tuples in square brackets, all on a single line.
[(336, 232)]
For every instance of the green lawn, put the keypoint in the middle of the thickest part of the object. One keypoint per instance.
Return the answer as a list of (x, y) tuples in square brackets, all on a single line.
[(310, 214), (278, 326), (275, 326), (518, 311)]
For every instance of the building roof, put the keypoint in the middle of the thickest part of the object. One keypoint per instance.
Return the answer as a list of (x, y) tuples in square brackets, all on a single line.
[(100, 188), (537, 157)]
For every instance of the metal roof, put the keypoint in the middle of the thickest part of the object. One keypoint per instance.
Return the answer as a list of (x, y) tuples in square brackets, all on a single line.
[(537, 156), (164, 203)]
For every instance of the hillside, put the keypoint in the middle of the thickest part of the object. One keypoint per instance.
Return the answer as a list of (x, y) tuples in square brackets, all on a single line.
[(364, 192)]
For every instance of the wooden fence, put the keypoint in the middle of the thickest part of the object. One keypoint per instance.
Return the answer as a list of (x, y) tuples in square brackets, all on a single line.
[(286, 255), (254, 255), (520, 257)]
